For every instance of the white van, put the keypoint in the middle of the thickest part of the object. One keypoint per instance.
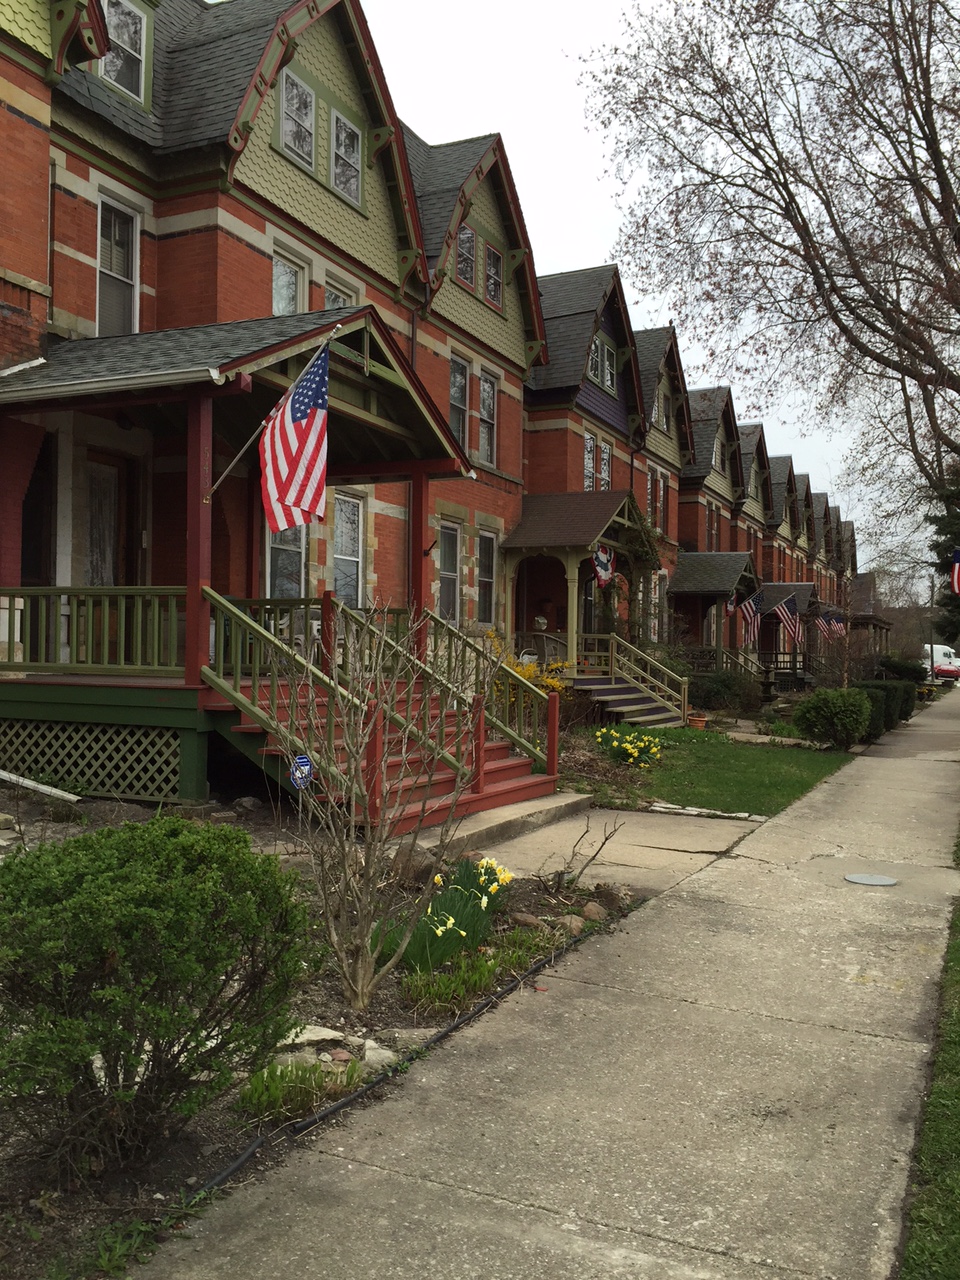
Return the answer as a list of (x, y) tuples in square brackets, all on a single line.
[(944, 661)]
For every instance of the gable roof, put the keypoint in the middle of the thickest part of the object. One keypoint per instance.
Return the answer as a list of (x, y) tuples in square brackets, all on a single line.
[(710, 409), (784, 487), (775, 593), (656, 347), (716, 573), (571, 302), (438, 174), (821, 523), (565, 519)]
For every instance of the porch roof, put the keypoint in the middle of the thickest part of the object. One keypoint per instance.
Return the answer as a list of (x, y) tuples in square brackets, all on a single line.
[(713, 573), (566, 519), (775, 593)]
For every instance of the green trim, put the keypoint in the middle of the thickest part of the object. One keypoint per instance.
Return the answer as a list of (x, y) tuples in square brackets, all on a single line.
[(103, 704), (321, 169), (103, 162), (25, 58), (194, 786)]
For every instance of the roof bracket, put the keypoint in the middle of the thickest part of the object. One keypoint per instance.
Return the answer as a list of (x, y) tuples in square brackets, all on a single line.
[(513, 261), (408, 261), (623, 357), (532, 351), (379, 139)]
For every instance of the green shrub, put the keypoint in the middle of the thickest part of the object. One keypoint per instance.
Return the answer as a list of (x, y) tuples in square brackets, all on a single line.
[(893, 697), (908, 700), (287, 1091), (140, 969), (837, 716), (876, 726), (724, 691), (903, 669)]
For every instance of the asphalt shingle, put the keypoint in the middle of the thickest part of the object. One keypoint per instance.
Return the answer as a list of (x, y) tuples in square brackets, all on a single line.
[(712, 573), (565, 519)]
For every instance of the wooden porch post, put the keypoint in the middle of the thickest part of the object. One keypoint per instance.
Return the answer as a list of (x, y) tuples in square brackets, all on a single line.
[(199, 480), (721, 622), (572, 565)]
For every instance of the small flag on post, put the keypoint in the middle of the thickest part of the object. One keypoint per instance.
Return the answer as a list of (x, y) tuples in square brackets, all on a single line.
[(955, 572), (789, 617), (751, 610), (293, 450), (604, 565)]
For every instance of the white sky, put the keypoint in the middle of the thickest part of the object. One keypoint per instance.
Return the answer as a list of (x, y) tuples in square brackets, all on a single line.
[(513, 67)]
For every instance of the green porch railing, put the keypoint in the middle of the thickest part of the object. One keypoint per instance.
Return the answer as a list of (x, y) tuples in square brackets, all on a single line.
[(609, 655), (95, 630), (703, 659), (516, 709)]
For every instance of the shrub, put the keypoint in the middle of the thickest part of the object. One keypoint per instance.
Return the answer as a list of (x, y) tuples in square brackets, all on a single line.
[(725, 691), (140, 969), (903, 669), (287, 1091), (893, 697), (837, 716), (876, 725)]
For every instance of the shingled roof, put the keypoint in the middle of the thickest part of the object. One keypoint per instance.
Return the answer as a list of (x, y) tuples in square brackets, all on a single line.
[(750, 433), (652, 346), (570, 302), (204, 57), (781, 468), (706, 411), (438, 173), (565, 519), (775, 593), (713, 573)]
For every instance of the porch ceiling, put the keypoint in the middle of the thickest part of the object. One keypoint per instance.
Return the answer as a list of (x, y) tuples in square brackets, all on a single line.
[(554, 520), (382, 419)]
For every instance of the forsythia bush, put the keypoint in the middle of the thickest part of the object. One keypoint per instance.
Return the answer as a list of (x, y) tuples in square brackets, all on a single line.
[(140, 969)]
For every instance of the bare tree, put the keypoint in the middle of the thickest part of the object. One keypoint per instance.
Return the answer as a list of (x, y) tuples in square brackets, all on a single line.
[(797, 192)]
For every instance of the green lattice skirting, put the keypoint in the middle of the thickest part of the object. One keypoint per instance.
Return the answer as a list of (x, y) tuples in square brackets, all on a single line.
[(128, 762)]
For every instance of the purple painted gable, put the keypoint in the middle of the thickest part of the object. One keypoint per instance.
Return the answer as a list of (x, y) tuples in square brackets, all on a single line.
[(593, 399)]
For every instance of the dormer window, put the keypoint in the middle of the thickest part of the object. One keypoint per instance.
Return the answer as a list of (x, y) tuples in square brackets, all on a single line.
[(666, 412), (346, 149), (494, 277), (720, 454), (467, 256), (298, 127), (602, 365), (123, 65)]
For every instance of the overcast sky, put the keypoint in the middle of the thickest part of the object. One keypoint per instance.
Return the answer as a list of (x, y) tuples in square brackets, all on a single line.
[(513, 67)]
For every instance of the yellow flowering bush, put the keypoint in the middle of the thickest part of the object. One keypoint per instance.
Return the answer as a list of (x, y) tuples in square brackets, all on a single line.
[(629, 746), (548, 678)]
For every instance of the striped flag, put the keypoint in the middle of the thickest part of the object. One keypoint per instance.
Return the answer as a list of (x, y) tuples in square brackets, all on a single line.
[(839, 626), (751, 610), (293, 450), (789, 617), (823, 626), (955, 572)]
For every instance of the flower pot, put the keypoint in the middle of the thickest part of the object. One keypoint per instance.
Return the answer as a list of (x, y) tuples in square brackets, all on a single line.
[(695, 721)]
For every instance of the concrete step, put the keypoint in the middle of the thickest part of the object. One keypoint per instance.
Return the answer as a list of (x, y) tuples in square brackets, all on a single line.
[(487, 829)]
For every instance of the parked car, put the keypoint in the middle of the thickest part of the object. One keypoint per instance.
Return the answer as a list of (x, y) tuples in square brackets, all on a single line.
[(945, 672)]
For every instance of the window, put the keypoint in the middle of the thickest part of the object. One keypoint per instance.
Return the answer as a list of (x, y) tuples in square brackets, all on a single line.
[(720, 453), (486, 563), (666, 411), (606, 459), (713, 527), (589, 460), (602, 365), (287, 287), (345, 155), (123, 65), (449, 602), (494, 277), (658, 492), (467, 256), (337, 295), (285, 561), (299, 119), (348, 550), (488, 418), (117, 276), (459, 382)]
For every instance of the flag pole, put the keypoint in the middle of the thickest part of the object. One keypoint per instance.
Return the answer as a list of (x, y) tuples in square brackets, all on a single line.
[(316, 355)]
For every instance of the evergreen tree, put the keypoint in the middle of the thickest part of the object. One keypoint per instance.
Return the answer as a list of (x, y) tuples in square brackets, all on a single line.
[(946, 538)]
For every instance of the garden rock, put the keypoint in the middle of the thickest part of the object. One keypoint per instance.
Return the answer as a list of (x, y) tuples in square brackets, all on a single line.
[(595, 912), (414, 865), (317, 1035), (405, 1038), (300, 1055), (571, 924), (247, 804), (377, 1059), (526, 920), (6, 821), (613, 897)]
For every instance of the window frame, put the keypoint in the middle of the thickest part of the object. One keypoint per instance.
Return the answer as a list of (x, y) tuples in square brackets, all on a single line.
[(291, 152), (460, 435), (470, 284), (666, 410), (488, 251), (602, 364), (300, 273), (357, 502), (448, 527), (489, 424), (335, 115), (486, 538), (271, 545), (344, 291), (145, 56), (589, 461), (605, 469), (105, 202)]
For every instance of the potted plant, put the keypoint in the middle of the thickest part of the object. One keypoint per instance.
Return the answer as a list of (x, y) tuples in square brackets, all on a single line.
[(696, 719)]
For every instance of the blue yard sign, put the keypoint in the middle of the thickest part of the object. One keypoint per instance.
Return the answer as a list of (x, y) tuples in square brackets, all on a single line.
[(301, 772)]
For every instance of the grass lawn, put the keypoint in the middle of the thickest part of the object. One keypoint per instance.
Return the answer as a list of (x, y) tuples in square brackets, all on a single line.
[(703, 769), (933, 1241)]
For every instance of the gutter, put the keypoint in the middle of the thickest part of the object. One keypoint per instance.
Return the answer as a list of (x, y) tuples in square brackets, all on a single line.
[(95, 386)]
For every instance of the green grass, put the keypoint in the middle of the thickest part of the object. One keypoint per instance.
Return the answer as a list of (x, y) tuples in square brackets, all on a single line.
[(932, 1250), (708, 771)]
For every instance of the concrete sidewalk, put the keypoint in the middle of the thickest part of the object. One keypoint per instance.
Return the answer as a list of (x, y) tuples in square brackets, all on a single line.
[(727, 1089)]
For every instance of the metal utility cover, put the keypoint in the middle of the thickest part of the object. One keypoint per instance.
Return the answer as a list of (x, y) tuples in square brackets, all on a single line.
[(868, 879)]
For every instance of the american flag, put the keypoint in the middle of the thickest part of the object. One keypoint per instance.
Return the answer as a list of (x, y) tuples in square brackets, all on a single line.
[(955, 572), (789, 617), (293, 450), (823, 626), (751, 610), (838, 624)]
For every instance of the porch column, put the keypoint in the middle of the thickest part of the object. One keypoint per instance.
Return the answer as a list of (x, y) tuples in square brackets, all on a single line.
[(19, 447), (199, 480), (573, 581), (511, 563), (419, 541), (720, 624)]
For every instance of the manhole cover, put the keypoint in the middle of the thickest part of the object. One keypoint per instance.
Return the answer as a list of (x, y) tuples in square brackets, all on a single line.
[(867, 879)]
